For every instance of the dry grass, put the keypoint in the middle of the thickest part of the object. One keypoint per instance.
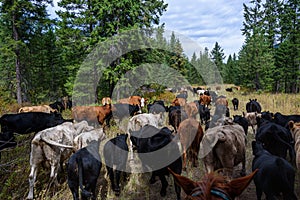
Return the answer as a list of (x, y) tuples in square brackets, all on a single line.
[(14, 164)]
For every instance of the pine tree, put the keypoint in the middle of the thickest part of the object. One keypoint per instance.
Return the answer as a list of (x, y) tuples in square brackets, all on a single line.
[(217, 55), (84, 24), (20, 21)]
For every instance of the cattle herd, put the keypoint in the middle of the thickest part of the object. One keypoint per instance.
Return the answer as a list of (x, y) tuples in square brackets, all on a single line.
[(183, 133)]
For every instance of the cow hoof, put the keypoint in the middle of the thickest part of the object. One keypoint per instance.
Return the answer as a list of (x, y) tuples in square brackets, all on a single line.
[(152, 180), (163, 193), (117, 192)]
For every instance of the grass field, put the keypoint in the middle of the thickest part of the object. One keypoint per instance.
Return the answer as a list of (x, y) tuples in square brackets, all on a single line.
[(14, 164)]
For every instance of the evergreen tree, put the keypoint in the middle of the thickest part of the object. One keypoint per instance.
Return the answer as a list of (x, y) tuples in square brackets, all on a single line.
[(218, 56), (20, 22), (83, 24)]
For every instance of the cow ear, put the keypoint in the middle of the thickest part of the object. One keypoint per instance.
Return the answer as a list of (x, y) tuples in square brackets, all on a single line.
[(185, 183), (291, 124), (238, 185)]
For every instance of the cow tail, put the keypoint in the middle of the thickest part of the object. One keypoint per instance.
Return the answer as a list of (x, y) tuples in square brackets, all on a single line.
[(84, 192)]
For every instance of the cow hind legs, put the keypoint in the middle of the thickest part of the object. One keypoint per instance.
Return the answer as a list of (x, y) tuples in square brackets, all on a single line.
[(32, 178), (177, 190), (117, 186), (243, 171), (164, 185)]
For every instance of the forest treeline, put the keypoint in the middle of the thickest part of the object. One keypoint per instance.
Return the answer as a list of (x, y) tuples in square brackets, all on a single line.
[(41, 56)]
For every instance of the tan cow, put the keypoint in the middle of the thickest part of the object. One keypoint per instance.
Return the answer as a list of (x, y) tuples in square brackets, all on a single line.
[(223, 147), (191, 109), (251, 118), (295, 130), (41, 108), (190, 133), (178, 102), (106, 100), (133, 100)]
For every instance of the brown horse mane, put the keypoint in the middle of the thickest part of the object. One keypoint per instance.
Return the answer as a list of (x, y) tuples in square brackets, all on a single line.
[(210, 181), (213, 180), (213, 186)]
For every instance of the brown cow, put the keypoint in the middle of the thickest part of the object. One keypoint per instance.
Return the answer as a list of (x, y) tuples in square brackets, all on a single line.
[(42, 108), (190, 133), (221, 100), (191, 109), (223, 147), (133, 100), (178, 102), (124, 101), (106, 100), (92, 114), (205, 100), (295, 130)]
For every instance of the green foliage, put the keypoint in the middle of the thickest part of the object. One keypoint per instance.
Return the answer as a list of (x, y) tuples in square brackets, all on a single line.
[(269, 59), (217, 55)]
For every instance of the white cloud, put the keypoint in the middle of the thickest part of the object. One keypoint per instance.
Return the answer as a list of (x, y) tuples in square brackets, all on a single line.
[(203, 21), (207, 22)]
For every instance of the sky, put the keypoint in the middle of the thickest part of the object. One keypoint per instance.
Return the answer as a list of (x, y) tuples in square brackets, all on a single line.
[(202, 23), (206, 22)]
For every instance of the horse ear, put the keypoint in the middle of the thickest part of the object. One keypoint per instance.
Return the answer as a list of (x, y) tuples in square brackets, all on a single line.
[(185, 183), (238, 185)]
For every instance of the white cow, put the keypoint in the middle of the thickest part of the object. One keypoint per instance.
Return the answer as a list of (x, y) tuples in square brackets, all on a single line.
[(53, 146)]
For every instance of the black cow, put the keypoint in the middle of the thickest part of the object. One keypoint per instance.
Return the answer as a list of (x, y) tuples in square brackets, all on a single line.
[(121, 111), (182, 95), (59, 106), (228, 89), (276, 139), (235, 103), (239, 119), (284, 119), (157, 107), (204, 113), (24, 123), (267, 115), (158, 151), (253, 106), (176, 115), (115, 154), (213, 95), (275, 175), (83, 170)]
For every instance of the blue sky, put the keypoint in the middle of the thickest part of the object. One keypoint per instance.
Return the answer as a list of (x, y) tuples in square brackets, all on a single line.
[(207, 22), (203, 23)]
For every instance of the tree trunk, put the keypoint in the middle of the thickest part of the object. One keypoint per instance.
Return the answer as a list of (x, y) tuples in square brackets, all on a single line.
[(18, 65)]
